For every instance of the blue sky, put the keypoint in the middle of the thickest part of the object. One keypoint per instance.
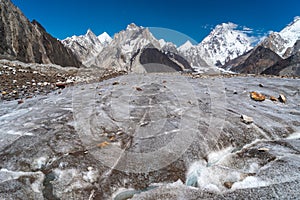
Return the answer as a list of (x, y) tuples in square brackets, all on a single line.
[(63, 18)]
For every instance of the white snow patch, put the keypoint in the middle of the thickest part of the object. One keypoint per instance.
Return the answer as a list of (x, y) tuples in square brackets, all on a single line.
[(186, 46), (295, 135), (104, 38), (216, 156), (250, 182), (91, 176), (19, 133), (38, 163)]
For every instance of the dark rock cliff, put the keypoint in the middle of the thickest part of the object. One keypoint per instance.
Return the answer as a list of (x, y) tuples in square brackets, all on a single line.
[(28, 41)]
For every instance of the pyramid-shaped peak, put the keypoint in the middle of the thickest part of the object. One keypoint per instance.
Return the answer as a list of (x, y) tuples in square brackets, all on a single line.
[(90, 33), (133, 26), (187, 45)]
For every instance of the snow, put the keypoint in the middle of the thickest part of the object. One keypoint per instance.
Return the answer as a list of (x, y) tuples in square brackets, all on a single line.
[(38, 163), (250, 182), (87, 46), (104, 38), (216, 156), (186, 46), (225, 42), (290, 34), (162, 42), (279, 42), (295, 135), (91, 175)]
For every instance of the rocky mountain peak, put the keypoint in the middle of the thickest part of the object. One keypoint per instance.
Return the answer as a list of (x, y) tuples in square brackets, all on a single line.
[(132, 26), (187, 45), (84, 46), (29, 42), (282, 42), (225, 42)]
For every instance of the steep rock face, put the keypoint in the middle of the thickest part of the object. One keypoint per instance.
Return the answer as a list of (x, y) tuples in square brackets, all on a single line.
[(123, 46), (253, 62), (29, 42), (296, 47), (289, 66), (281, 42), (154, 60), (136, 49), (87, 46)]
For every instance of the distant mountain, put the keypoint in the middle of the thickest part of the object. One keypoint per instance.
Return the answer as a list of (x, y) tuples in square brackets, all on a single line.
[(289, 66), (104, 38), (267, 56), (282, 42), (129, 47), (253, 62), (224, 43), (28, 41), (87, 46), (122, 47)]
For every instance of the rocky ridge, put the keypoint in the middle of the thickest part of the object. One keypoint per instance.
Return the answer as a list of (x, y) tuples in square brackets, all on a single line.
[(28, 41)]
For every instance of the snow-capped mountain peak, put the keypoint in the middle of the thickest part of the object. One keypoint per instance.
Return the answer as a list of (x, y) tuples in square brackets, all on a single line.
[(124, 45), (293, 28), (282, 42), (89, 32), (85, 46), (104, 38), (225, 42), (187, 45), (133, 26)]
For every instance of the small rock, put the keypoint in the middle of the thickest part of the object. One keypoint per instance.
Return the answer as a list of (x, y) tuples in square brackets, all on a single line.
[(144, 123), (228, 184), (112, 139), (139, 89), (263, 149), (20, 101), (257, 96), (116, 83), (246, 119), (234, 92), (3, 92), (60, 85), (272, 98), (261, 85), (282, 98), (103, 144)]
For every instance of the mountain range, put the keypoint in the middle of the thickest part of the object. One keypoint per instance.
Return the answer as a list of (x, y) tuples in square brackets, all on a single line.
[(228, 46)]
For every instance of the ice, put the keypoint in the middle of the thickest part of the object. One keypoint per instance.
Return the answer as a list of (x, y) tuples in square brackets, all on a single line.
[(19, 133), (194, 172), (91, 176), (295, 135), (38, 163), (250, 182), (214, 157), (6, 175)]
